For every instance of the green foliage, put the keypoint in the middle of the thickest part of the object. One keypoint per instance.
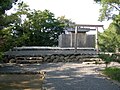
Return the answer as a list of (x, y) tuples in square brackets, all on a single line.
[(97, 1), (113, 73), (116, 23), (109, 9), (107, 1), (116, 57), (6, 39), (11, 31), (6, 5), (44, 28), (107, 58), (31, 28), (1, 56), (109, 40)]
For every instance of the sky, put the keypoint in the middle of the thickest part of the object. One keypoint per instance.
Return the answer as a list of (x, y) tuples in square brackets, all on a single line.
[(79, 11)]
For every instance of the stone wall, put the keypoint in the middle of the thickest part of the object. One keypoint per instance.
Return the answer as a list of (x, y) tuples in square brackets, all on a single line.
[(55, 58), (67, 58), (48, 54)]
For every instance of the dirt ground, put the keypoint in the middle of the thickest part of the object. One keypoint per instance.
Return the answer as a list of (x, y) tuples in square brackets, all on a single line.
[(20, 82), (58, 76)]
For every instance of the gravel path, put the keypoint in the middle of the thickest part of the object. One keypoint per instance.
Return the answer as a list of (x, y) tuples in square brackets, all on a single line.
[(73, 76), (69, 76)]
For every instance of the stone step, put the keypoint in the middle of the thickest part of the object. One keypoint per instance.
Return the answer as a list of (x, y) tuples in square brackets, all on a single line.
[(28, 58), (28, 61)]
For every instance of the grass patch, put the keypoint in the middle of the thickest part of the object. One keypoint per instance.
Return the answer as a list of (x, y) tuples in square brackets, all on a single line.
[(113, 73)]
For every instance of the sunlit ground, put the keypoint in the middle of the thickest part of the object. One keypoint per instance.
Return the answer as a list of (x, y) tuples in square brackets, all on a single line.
[(20, 82), (58, 76)]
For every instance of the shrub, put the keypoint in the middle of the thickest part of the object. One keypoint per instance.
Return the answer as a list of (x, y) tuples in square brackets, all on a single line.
[(106, 57), (113, 73), (116, 57), (1, 56)]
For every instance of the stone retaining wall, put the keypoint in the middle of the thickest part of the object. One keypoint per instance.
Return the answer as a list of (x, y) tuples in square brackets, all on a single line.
[(65, 58), (55, 58), (49, 54)]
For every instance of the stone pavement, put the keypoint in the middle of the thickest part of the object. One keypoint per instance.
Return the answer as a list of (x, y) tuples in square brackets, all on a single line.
[(68, 76)]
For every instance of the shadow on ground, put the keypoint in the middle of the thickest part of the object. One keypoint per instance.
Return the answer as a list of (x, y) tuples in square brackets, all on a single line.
[(73, 76), (59, 76), (20, 82)]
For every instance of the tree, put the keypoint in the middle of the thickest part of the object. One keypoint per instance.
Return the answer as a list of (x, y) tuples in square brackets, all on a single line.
[(12, 32), (6, 5), (107, 58), (44, 28), (31, 28), (28, 27), (67, 23), (109, 9), (109, 40)]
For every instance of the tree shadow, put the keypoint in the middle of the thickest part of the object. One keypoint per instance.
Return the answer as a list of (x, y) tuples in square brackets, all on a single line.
[(59, 76), (20, 82), (73, 79)]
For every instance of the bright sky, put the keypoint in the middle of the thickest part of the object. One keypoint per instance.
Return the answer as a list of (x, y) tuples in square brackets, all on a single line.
[(79, 11)]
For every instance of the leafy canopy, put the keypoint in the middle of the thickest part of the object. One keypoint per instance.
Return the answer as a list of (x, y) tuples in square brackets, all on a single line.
[(109, 40), (109, 9), (28, 27), (6, 5)]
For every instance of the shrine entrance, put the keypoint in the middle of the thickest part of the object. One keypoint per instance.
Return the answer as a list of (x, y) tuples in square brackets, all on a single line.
[(78, 38)]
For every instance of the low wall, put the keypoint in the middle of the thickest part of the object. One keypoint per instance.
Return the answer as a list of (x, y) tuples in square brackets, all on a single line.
[(54, 58), (67, 58), (43, 54)]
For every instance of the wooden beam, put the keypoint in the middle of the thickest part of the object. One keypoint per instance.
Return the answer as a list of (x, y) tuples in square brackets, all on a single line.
[(75, 40), (89, 25)]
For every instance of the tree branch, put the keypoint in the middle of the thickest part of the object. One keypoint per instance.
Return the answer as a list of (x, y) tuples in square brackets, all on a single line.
[(115, 7)]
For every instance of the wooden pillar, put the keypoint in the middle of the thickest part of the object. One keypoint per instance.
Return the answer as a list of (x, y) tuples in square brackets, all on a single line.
[(75, 40), (71, 41), (96, 46)]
